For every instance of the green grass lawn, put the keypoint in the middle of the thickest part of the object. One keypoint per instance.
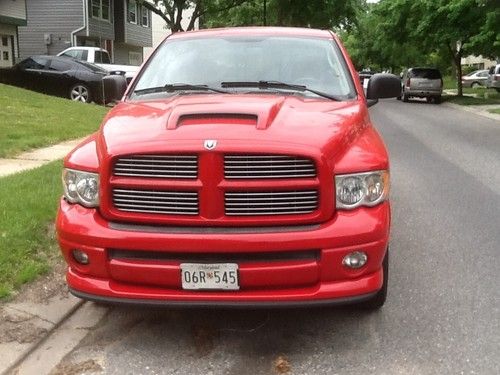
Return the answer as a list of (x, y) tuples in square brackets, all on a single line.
[(449, 83), (31, 120), (468, 100), (28, 204), (495, 110)]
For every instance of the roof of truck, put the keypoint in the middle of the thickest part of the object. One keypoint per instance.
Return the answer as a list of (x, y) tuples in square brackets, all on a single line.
[(256, 31)]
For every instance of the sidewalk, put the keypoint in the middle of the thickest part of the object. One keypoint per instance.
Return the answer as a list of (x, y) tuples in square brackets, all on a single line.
[(28, 319), (44, 306), (481, 110), (36, 158)]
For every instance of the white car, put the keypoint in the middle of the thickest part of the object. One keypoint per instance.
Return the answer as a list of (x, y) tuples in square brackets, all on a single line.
[(100, 57), (475, 79)]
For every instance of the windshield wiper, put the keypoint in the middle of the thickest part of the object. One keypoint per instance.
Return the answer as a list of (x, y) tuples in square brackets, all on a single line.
[(278, 85), (178, 87)]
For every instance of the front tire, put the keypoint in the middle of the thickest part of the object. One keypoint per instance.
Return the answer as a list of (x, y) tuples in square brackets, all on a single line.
[(80, 93), (379, 299), (475, 85)]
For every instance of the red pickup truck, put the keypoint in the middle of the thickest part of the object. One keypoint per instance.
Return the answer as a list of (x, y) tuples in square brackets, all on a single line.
[(240, 168)]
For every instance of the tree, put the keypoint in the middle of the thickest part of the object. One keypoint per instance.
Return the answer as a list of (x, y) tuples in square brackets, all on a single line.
[(172, 11), (453, 25), (487, 41), (380, 45), (458, 27), (311, 13)]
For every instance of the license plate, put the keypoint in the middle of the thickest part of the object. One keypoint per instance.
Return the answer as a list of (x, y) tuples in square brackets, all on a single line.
[(210, 276)]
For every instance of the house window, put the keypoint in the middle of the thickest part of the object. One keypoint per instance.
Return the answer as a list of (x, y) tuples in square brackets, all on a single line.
[(101, 9), (5, 41), (132, 11), (145, 16), (6, 55)]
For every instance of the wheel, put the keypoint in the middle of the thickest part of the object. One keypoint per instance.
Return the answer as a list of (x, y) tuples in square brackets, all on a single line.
[(405, 97), (437, 99), (475, 85), (429, 99), (80, 93), (378, 300)]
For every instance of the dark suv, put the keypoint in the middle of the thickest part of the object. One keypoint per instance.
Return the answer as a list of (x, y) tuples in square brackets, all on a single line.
[(422, 83)]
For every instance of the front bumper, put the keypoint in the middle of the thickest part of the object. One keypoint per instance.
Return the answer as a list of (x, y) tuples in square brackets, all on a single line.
[(282, 281)]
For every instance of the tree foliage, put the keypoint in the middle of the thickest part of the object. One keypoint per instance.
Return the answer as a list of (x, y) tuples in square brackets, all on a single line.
[(218, 13), (173, 11), (312, 13), (395, 33)]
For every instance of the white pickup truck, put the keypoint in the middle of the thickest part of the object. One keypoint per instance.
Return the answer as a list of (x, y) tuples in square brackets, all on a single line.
[(100, 57)]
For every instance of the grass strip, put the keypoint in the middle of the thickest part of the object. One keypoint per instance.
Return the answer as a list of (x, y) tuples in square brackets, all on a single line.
[(28, 204), (32, 120)]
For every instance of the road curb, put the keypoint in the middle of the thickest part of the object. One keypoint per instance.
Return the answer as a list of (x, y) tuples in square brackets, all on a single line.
[(46, 317), (473, 109)]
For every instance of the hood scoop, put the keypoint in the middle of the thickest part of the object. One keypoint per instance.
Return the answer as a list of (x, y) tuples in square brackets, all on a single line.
[(217, 118), (258, 114)]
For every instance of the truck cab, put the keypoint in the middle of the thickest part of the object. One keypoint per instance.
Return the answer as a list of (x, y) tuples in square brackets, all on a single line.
[(101, 58)]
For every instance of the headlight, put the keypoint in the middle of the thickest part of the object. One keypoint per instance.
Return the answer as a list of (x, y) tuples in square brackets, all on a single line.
[(361, 189), (81, 187)]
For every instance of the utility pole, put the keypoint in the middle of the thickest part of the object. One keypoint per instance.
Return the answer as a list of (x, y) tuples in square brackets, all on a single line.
[(265, 12)]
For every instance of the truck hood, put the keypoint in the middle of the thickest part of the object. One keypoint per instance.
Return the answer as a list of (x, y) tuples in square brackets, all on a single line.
[(238, 122)]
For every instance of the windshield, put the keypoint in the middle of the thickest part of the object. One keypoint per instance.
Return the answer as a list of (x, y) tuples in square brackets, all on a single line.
[(315, 63)]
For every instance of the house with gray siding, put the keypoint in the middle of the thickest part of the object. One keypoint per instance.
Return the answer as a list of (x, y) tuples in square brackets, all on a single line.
[(12, 15), (120, 26)]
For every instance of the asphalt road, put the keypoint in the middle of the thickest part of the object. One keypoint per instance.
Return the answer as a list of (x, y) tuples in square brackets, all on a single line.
[(442, 315)]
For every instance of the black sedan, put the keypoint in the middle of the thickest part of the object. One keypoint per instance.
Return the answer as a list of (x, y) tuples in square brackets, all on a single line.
[(61, 76)]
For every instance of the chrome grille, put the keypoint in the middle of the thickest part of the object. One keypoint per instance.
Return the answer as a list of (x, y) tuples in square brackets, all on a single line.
[(156, 202), (249, 203), (157, 166), (267, 166)]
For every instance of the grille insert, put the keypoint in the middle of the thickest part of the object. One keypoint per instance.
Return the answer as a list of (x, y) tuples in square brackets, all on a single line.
[(156, 202), (157, 166), (267, 166), (251, 203), (233, 257)]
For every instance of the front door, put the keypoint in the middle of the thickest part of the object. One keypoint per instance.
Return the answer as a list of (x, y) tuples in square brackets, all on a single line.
[(6, 58)]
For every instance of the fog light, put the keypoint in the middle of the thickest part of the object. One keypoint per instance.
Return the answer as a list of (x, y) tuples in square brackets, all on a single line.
[(356, 259), (80, 256)]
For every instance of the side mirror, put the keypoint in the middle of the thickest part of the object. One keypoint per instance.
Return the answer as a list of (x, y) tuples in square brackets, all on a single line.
[(383, 86), (114, 87)]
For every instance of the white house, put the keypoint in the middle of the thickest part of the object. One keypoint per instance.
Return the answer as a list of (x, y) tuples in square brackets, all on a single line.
[(161, 31), (12, 15)]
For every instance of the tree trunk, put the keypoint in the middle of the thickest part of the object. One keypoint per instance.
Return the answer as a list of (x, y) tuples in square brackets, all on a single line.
[(458, 65)]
